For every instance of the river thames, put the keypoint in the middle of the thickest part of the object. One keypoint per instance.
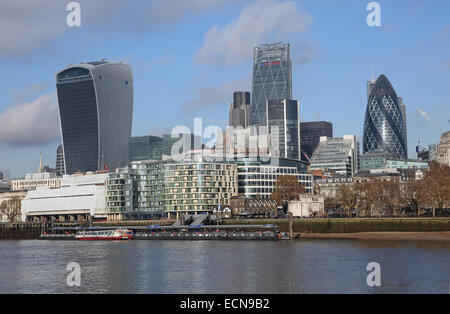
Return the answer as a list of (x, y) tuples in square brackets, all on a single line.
[(199, 267)]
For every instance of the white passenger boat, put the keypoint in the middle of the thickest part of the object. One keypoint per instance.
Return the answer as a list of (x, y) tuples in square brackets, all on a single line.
[(92, 235)]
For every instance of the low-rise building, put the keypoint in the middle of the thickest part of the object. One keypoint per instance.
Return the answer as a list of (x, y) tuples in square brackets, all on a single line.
[(35, 180), (79, 198), (307, 206), (242, 206)]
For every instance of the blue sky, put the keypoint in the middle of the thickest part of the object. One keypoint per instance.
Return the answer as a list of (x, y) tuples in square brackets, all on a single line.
[(188, 56)]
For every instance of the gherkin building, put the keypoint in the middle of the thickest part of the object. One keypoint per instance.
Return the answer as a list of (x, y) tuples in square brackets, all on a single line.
[(384, 125)]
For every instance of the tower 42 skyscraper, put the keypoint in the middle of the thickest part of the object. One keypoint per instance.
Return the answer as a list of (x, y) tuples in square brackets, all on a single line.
[(384, 125), (95, 102), (272, 79)]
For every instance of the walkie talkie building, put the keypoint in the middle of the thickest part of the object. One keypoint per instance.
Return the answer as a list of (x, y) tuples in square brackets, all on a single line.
[(384, 125), (95, 101)]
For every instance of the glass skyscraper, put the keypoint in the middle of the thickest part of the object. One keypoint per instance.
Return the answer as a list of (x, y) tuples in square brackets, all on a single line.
[(95, 102), (310, 133), (272, 79), (384, 125), (284, 114)]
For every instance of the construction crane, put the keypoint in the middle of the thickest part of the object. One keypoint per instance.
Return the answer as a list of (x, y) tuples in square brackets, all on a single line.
[(426, 116)]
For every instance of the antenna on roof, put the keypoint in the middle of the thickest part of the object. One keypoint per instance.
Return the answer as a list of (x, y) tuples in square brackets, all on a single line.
[(76, 61), (373, 75)]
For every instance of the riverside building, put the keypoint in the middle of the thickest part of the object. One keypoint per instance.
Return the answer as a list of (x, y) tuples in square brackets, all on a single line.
[(80, 197), (136, 192), (198, 187), (257, 179)]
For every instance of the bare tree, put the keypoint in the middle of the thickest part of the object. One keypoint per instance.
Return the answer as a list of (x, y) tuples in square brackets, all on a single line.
[(436, 186), (11, 209)]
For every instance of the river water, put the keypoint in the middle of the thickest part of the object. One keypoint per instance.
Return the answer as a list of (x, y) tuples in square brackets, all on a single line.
[(198, 267)]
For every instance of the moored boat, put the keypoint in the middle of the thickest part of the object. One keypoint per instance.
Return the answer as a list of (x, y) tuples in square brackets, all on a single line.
[(92, 235)]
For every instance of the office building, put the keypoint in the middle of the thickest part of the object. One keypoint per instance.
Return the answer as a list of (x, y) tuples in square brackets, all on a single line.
[(310, 134), (428, 153), (272, 78), (283, 124), (60, 171), (384, 126), (145, 148), (41, 178), (337, 154), (257, 179), (240, 110), (95, 101)]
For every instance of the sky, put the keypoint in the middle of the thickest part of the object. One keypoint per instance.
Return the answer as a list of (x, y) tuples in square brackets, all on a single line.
[(189, 56)]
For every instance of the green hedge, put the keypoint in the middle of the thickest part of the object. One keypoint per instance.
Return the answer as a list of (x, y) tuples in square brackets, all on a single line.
[(353, 225)]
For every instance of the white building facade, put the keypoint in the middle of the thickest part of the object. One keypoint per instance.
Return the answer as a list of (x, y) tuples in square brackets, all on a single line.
[(79, 198)]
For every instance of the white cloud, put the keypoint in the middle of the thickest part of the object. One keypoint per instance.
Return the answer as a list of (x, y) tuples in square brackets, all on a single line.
[(27, 25), (213, 95), (263, 21), (31, 123)]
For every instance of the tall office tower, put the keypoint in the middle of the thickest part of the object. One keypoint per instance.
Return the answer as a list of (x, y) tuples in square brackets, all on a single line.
[(145, 148), (96, 109), (60, 161), (384, 127), (284, 114), (310, 133), (370, 84), (272, 79), (240, 110), (403, 109)]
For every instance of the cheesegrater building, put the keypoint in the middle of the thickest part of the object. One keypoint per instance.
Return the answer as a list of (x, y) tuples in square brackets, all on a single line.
[(95, 101), (384, 125)]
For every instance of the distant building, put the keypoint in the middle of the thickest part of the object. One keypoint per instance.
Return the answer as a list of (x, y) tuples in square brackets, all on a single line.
[(37, 179), (443, 151), (60, 171), (284, 115), (427, 154), (79, 198), (145, 148), (95, 102), (374, 160), (272, 78), (240, 110), (338, 154), (384, 125), (310, 134), (307, 206)]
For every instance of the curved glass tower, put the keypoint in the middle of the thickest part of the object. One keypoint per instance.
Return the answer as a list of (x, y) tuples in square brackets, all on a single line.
[(95, 103), (384, 125)]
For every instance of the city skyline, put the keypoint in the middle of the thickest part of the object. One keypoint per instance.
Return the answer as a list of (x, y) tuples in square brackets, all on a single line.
[(417, 66)]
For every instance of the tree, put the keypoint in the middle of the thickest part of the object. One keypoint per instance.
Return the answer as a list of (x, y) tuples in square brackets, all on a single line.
[(436, 186), (412, 195), (347, 198), (287, 188), (11, 209)]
